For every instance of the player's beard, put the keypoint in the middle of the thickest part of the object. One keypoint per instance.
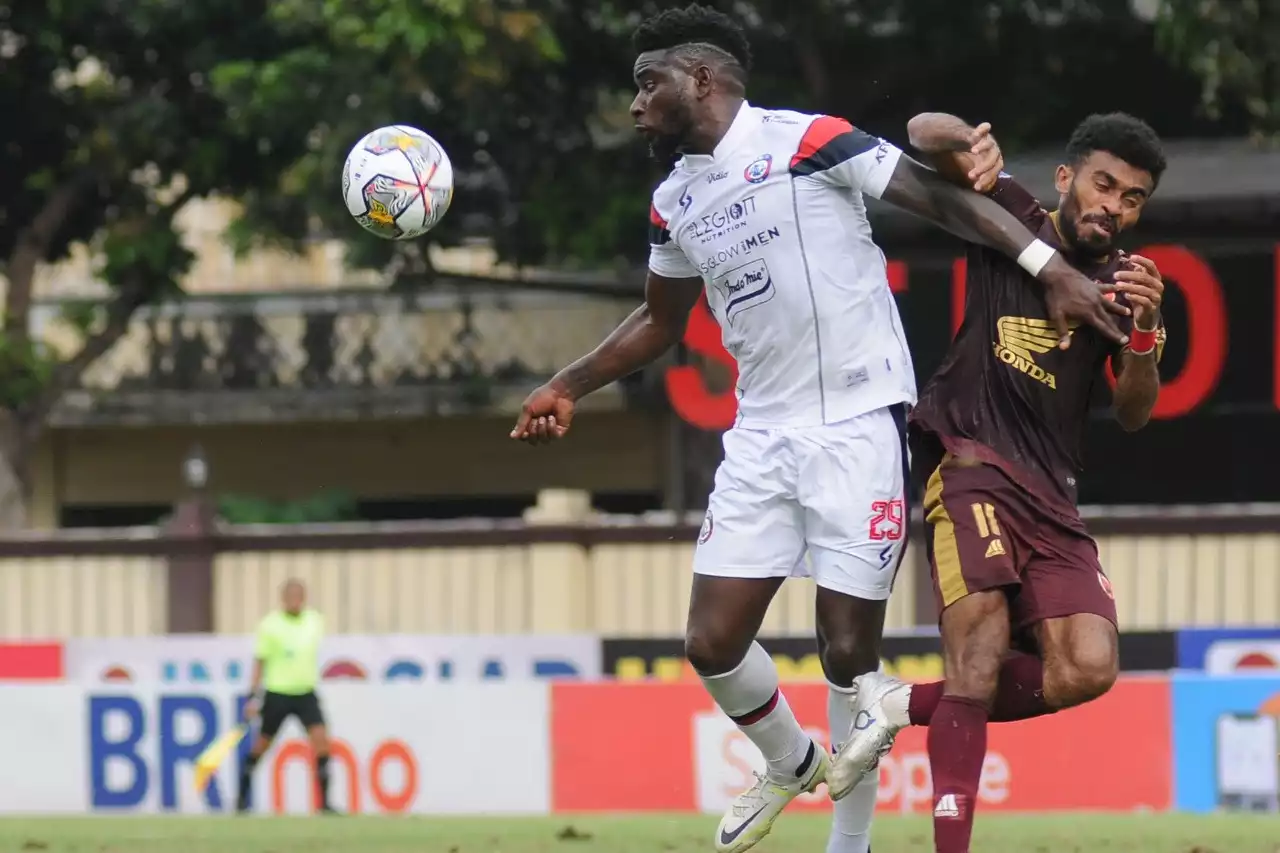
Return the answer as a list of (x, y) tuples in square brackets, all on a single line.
[(666, 144), (1097, 243)]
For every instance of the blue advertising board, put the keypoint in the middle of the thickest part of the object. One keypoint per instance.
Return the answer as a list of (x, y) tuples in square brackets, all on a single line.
[(1226, 738), (1223, 650)]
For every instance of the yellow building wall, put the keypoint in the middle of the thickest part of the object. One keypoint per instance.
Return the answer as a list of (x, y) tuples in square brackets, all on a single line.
[(641, 589), (607, 451)]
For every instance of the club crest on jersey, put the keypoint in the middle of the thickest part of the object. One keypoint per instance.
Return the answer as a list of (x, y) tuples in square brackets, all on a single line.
[(758, 170)]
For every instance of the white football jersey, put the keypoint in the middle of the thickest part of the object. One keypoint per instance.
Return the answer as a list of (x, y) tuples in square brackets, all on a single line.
[(775, 225)]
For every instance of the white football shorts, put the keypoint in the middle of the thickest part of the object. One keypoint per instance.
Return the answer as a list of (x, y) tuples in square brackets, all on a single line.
[(827, 502)]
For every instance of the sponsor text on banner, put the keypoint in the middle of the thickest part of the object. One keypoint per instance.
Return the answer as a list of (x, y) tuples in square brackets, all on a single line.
[(702, 759)]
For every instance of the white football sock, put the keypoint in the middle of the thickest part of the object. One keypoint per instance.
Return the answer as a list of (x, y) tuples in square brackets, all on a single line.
[(897, 704), (851, 816), (749, 694)]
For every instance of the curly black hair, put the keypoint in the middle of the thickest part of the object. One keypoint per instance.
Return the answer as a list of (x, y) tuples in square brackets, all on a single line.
[(694, 24), (1129, 138)]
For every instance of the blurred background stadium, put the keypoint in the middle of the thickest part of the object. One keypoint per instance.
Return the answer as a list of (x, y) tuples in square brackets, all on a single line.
[(211, 380)]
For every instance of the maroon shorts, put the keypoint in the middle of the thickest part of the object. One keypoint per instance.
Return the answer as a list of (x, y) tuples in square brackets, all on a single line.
[(983, 531)]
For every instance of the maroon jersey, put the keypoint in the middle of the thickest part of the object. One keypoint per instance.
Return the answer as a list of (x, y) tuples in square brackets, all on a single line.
[(1005, 394)]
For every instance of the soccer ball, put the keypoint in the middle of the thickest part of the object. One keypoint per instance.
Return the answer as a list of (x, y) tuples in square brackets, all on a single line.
[(397, 182)]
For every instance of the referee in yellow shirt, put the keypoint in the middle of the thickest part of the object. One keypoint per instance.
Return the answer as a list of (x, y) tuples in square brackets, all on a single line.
[(287, 664)]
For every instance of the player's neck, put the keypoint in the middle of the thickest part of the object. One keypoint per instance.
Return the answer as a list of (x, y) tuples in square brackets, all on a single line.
[(720, 116)]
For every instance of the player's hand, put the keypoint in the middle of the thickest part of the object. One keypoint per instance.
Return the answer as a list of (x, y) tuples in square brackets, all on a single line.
[(1073, 296), (1142, 285), (988, 160), (545, 416), (252, 709)]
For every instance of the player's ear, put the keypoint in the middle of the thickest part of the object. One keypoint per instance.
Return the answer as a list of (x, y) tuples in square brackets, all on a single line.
[(1062, 178), (703, 80)]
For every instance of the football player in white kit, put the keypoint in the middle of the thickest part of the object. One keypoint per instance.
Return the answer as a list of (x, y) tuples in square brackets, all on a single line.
[(763, 211)]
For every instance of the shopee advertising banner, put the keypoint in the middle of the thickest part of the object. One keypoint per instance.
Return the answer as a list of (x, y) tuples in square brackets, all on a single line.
[(399, 748), (685, 755)]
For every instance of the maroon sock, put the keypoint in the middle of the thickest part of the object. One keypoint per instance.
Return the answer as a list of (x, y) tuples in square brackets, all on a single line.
[(1019, 693), (957, 748)]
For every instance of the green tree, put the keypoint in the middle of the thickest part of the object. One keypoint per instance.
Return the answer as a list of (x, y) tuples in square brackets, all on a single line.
[(111, 128), (121, 112), (1233, 46), (490, 81), (531, 100)]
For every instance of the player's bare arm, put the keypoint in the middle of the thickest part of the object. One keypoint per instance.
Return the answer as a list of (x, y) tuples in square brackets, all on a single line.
[(967, 156), (641, 339), (974, 218), (1138, 376)]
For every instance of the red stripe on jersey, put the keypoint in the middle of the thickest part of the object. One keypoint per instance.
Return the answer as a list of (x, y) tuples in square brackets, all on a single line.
[(823, 130), (655, 218)]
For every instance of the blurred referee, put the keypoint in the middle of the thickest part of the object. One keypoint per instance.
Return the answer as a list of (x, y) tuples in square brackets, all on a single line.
[(287, 664)]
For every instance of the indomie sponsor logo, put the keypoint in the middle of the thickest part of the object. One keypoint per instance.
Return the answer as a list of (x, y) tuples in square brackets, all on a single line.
[(740, 249), (748, 278), (731, 217), (1021, 339)]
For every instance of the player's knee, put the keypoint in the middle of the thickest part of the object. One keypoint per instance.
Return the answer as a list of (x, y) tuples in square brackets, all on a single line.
[(319, 741), (846, 656), (975, 675), (1085, 674), (712, 652)]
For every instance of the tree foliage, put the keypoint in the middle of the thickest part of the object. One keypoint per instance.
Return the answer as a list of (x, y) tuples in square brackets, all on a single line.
[(531, 99), (1233, 46), (119, 112)]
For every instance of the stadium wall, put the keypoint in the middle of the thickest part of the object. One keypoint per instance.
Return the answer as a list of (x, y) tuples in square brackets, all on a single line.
[(621, 577), (1192, 742)]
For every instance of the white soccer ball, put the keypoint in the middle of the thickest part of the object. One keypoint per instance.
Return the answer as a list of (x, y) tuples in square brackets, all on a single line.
[(397, 182)]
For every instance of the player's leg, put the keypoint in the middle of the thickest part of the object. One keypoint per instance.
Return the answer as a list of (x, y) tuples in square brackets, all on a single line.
[(975, 547), (1065, 607), (853, 485), (849, 632), (312, 719), (1068, 606), (274, 711), (751, 540), (975, 635)]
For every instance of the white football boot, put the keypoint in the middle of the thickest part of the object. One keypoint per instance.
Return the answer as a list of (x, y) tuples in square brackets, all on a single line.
[(751, 815), (871, 737)]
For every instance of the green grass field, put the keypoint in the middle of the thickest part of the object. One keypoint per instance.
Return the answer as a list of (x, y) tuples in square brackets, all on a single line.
[(793, 834)]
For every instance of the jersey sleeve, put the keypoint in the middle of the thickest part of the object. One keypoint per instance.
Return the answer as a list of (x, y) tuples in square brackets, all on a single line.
[(1015, 198), (665, 257), (836, 152), (263, 644)]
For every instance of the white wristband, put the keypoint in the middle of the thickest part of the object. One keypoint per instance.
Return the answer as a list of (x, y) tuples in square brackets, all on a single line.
[(1035, 256)]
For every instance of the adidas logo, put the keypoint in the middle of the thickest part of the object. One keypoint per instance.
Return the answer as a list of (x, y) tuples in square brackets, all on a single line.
[(947, 805), (995, 549)]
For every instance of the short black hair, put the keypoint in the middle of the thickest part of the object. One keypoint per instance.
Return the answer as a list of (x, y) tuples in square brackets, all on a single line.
[(1129, 138), (694, 24)]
